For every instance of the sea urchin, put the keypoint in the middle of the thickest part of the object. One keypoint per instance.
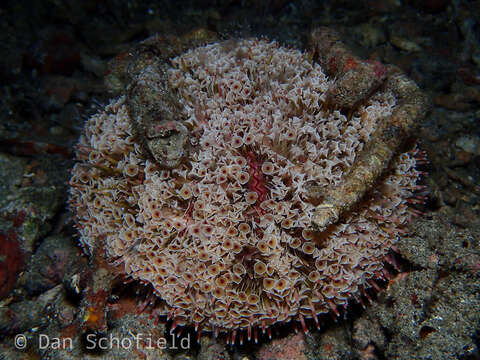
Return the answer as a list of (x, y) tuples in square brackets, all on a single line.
[(225, 237)]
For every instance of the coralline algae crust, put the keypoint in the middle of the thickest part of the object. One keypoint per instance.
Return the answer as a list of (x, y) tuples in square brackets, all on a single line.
[(226, 239)]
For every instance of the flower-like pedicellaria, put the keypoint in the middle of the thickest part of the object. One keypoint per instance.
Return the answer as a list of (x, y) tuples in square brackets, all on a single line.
[(225, 239)]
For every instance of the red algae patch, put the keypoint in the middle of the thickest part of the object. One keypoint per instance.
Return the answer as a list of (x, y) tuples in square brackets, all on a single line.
[(225, 239), (11, 262), (284, 349)]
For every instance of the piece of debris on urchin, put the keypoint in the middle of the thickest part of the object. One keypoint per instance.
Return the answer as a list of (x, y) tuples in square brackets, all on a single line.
[(157, 117), (154, 109), (225, 239), (355, 82)]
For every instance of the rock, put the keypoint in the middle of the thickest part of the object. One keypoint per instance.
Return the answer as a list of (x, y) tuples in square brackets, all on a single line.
[(93, 64), (31, 193), (371, 35), (368, 331), (431, 6), (445, 326), (404, 44), (55, 261), (59, 90), (56, 53), (22, 316), (469, 144), (452, 101), (332, 344), (291, 347), (12, 170), (34, 187), (211, 348), (435, 244), (428, 311)]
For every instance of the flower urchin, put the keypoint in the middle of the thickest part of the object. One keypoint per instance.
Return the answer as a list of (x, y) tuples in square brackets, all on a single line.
[(225, 238)]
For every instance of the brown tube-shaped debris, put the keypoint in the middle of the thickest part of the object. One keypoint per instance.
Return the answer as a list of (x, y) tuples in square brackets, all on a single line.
[(356, 81)]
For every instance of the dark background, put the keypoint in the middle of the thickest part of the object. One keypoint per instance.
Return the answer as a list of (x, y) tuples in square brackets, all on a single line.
[(55, 53)]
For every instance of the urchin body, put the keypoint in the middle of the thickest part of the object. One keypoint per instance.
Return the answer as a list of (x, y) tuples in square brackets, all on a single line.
[(224, 232)]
